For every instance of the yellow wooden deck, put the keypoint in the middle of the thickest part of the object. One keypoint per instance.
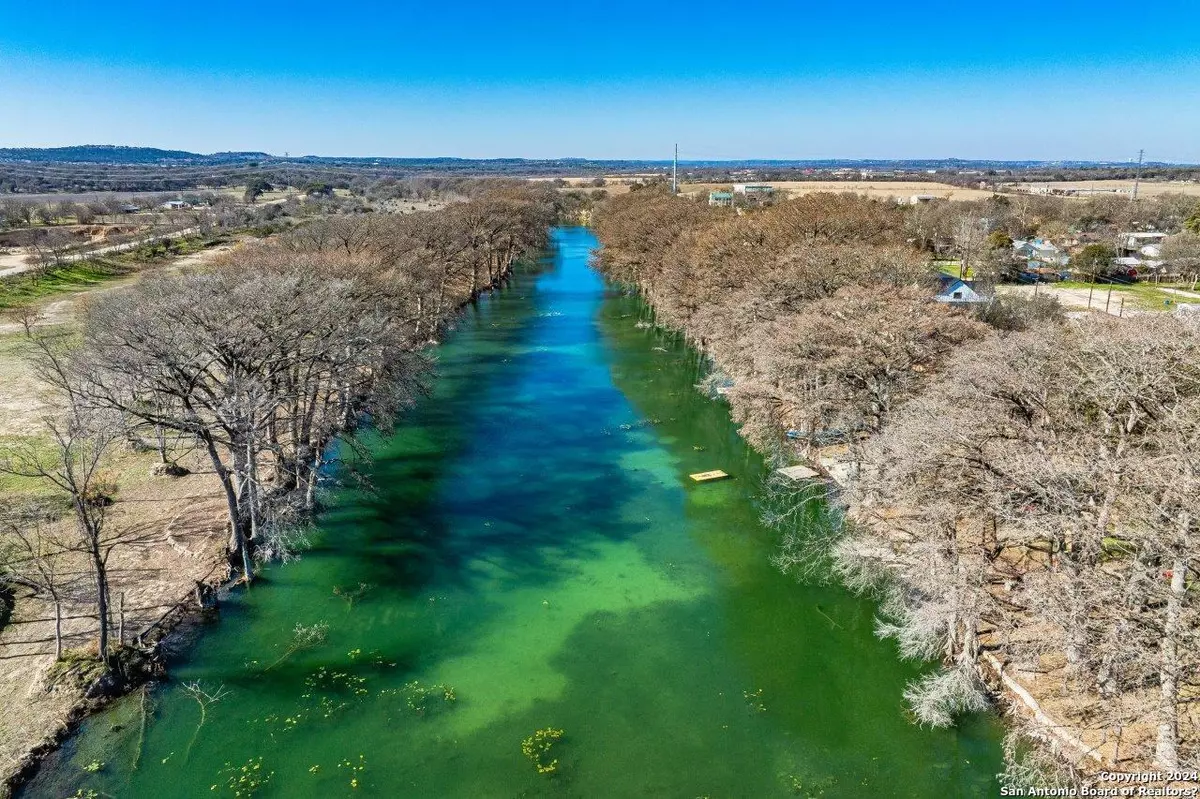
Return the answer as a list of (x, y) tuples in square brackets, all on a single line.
[(704, 477)]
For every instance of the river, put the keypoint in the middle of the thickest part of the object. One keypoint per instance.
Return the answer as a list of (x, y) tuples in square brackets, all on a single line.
[(534, 556)]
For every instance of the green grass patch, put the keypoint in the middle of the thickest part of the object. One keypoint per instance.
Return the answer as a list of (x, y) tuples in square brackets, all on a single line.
[(78, 276), (950, 267), (1141, 296), (30, 487), (26, 288)]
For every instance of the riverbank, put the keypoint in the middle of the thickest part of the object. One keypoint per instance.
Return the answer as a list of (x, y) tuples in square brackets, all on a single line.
[(981, 536), (179, 533), (178, 541), (543, 573), (180, 545)]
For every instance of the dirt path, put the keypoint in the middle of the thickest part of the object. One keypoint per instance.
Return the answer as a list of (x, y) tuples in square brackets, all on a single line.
[(1187, 295), (21, 406), (16, 263), (63, 311), (13, 263), (1075, 300)]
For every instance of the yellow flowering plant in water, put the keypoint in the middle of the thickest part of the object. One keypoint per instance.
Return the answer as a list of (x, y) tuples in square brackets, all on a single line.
[(537, 748)]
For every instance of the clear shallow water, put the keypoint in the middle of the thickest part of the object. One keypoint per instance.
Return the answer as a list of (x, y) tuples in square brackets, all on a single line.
[(535, 545)]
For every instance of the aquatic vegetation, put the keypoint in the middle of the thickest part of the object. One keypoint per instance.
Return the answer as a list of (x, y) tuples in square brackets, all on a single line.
[(94, 766), (424, 699), (619, 618), (333, 681), (354, 769), (809, 789), (303, 638), (352, 595), (247, 779), (537, 748), (204, 697), (754, 700)]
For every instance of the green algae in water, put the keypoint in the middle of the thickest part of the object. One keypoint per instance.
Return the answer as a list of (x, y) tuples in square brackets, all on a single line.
[(536, 547)]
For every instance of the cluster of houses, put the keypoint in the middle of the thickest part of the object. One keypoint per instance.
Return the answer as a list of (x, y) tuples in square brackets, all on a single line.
[(1137, 254), (1140, 252), (1042, 258)]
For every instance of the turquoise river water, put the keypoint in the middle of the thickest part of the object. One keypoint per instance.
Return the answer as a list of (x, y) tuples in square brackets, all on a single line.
[(535, 549)]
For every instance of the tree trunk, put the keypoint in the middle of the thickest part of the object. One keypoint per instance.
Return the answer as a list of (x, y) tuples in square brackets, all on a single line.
[(310, 490), (101, 606), (1166, 750), (237, 537), (160, 435), (120, 620), (57, 628)]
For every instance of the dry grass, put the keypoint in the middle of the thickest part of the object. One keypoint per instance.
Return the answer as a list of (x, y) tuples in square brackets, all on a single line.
[(21, 406), (876, 189), (182, 542), (1102, 187), (181, 524)]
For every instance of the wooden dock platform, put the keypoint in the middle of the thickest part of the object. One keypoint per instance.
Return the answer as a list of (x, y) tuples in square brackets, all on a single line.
[(705, 477), (799, 473)]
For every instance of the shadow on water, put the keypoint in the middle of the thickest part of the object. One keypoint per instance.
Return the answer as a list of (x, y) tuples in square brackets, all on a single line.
[(533, 548)]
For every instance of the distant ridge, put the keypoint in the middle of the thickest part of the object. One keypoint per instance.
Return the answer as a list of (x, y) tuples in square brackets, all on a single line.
[(115, 154)]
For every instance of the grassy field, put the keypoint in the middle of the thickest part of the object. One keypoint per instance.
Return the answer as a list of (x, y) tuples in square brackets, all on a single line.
[(1103, 187), (77, 276), (877, 189), (27, 487)]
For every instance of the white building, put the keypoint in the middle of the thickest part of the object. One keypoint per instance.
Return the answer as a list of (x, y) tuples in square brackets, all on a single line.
[(1132, 243), (753, 188)]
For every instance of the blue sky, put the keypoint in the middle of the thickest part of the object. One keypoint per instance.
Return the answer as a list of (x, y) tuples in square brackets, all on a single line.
[(1051, 79)]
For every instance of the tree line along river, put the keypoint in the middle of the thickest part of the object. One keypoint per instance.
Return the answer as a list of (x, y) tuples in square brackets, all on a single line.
[(534, 557)]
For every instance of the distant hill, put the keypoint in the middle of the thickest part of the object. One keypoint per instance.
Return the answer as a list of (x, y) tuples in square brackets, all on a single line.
[(113, 154)]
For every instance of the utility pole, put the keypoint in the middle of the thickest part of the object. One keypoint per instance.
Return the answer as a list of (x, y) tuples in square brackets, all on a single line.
[(1138, 175), (675, 172)]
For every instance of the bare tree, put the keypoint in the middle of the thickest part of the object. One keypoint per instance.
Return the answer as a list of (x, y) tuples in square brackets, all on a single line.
[(34, 557), (74, 467)]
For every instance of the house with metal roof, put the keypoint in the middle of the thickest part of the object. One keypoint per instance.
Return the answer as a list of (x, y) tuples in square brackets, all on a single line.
[(956, 291)]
